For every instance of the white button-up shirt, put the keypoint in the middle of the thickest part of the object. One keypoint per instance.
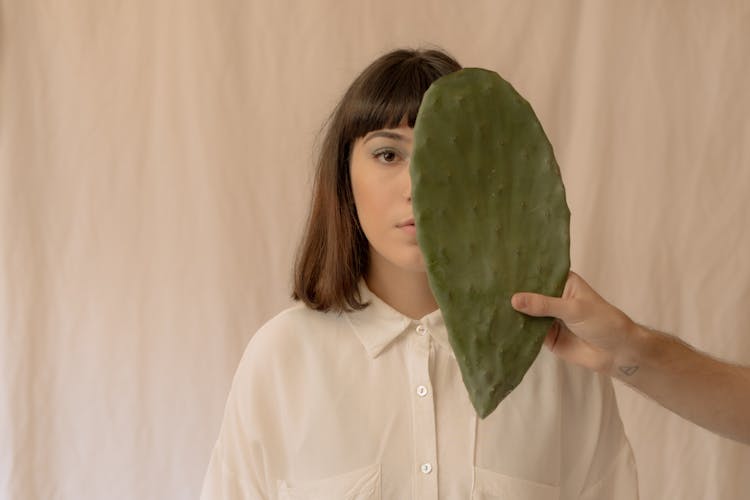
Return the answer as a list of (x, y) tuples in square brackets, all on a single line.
[(371, 405)]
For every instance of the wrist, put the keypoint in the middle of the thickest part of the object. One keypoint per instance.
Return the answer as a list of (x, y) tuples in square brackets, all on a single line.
[(633, 353)]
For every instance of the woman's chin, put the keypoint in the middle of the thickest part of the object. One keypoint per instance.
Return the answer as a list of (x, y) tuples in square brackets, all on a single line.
[(414, 264)]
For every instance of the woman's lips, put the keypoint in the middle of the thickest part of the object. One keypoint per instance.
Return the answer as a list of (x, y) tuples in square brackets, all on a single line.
[(408, 227)]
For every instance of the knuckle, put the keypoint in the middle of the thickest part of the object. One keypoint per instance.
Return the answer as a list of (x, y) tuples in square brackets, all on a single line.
[(543, 306)]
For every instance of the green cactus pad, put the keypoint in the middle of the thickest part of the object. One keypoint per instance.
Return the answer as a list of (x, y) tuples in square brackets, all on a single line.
[(491, 217)]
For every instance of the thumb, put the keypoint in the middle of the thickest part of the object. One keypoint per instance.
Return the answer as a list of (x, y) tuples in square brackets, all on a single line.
[(535, 304)]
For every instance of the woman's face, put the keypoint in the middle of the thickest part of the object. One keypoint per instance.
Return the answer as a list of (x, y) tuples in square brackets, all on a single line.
[(381, 186)]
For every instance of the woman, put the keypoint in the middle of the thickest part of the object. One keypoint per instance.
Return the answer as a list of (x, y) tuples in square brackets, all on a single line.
[(355, 392)]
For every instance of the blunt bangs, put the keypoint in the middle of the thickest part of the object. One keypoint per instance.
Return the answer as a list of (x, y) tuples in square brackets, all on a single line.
[(386, 97)]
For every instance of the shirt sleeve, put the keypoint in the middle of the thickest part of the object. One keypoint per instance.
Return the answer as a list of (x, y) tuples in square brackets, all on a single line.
[(223, 483), (618, 482), (612, 470), (597, 460), (239, 460)]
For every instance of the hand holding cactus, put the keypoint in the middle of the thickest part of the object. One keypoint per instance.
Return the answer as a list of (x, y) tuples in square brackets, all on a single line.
[(594, 334), (602, 332)]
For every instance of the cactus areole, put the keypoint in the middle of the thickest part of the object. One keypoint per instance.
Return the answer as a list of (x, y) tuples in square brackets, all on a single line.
[(491, 217)]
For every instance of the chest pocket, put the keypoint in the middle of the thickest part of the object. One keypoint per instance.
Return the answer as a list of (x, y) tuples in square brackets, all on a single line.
[(490, 485), (360, 484)]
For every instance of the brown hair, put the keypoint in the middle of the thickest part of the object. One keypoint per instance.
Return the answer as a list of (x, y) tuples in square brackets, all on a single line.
[(334, 253)]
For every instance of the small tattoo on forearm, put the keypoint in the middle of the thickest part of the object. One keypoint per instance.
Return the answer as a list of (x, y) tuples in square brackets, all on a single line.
[(628, 370)]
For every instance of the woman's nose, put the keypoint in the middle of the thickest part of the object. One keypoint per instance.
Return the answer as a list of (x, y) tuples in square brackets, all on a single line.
[(407, 186)]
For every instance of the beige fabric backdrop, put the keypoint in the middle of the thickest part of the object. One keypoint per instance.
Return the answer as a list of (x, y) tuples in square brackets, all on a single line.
[(155, 163)]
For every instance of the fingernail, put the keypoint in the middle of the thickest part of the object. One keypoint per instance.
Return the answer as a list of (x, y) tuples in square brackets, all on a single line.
[(519, 301)]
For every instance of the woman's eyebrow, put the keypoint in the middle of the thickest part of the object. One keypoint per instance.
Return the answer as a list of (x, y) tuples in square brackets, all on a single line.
[(387, 135)]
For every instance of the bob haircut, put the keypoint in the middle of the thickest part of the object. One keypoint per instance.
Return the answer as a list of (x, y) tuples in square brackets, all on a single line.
[(334, 253)]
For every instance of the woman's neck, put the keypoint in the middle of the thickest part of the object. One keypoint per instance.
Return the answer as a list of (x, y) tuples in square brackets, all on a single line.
[(408, 292)]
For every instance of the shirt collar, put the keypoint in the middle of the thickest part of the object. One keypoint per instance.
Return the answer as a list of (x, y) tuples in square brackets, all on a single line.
[(379, 324)]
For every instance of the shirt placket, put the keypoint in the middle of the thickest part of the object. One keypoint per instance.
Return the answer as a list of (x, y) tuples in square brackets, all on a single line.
[(425, 466)]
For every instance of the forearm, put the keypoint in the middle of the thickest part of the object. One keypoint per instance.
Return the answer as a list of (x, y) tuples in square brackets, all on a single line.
[(708, 392)]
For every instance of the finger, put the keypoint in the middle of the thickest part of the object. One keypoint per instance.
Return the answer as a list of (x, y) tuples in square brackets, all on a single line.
[(551, 338), (535, 304)]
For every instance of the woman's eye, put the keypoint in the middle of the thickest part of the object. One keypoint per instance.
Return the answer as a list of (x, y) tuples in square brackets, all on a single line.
[(386, 156)]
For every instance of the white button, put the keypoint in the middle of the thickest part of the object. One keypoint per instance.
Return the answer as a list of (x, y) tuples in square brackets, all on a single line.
[(426, 468), (421, 330), (422, 390)]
